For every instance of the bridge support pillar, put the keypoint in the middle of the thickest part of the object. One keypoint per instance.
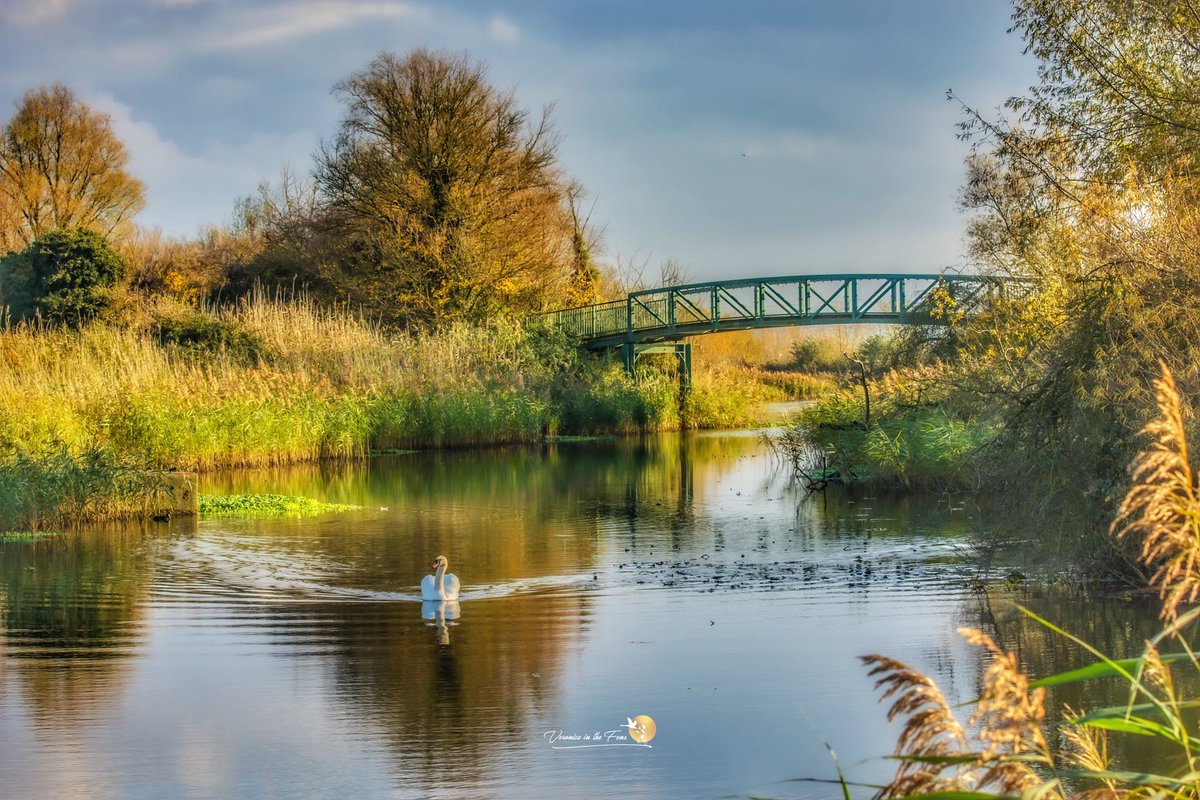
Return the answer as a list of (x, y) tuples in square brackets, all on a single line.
[(629, 357), (681, 350)]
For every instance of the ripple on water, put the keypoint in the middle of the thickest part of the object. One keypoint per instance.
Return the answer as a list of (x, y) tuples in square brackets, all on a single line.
[(229, 570)]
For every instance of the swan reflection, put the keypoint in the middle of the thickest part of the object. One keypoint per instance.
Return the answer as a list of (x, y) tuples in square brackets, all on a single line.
[(440, 611)]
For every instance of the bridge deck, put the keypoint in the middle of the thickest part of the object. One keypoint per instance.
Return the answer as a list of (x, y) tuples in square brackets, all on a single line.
[(675, 312)]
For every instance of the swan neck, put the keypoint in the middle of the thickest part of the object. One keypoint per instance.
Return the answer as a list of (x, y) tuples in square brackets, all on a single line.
[(439, 577)]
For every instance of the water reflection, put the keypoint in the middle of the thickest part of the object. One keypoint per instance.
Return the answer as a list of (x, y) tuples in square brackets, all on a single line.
[(681, 577), (440, 611), (73, 611)]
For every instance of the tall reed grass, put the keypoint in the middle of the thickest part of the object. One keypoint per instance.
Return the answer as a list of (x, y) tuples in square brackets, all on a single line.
[(54, 488), (918, 446), (275, 380), (1003, 749)]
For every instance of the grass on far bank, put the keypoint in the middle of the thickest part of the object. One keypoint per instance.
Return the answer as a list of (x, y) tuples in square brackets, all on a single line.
[(52, 488), (276, 380), (923, 446)]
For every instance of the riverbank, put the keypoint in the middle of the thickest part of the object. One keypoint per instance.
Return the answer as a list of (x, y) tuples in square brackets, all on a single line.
[(275, 381), (902, 446)]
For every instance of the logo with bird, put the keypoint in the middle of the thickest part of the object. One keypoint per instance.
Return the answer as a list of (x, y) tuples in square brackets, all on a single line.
[(641, 728)]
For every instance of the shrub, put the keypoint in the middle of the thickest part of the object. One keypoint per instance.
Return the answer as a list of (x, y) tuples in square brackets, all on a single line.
[(207, 334), (65, 275), (817, 355)]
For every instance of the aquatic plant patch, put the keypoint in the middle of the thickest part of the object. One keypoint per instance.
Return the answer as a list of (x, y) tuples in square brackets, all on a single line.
[(27, 536), (265, 505)]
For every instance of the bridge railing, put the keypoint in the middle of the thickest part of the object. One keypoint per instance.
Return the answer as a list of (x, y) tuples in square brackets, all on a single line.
[(806, 299), (594, 321)]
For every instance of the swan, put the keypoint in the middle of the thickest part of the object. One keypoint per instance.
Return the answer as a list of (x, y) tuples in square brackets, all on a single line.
[(439, 586)]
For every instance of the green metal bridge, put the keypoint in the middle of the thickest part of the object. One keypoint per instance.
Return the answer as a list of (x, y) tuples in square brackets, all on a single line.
[(656, 320)]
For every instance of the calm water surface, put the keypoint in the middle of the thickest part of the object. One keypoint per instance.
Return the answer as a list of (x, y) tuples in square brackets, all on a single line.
[(684, 578)]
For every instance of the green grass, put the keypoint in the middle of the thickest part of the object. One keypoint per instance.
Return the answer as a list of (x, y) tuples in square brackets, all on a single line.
[(265, 505), (27, 536), (322, 383), (52, 487), (922, 446), (275, 381)]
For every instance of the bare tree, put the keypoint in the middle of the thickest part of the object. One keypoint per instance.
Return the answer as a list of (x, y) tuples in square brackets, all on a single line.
[(586, 243), (61, 166)]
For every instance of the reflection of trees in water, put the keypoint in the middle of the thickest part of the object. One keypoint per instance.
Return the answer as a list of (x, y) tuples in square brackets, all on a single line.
[(497, 514), (448, 711), (1116, 627), (71, 612), (500, 516), (856, 512)]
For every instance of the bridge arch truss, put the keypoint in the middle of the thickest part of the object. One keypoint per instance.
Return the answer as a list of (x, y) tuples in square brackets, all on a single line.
[(673, 313)]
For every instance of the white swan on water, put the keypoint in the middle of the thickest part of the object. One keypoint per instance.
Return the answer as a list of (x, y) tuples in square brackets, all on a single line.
[(439, 586)]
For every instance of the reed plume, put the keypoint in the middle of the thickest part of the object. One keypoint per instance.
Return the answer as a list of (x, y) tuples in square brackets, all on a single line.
[(936, 753), (1008, 721), (1088, 750), (930, 733), (1162, 504)]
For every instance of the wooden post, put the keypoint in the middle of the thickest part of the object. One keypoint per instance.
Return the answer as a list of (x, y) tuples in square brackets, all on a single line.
[(176, 495)]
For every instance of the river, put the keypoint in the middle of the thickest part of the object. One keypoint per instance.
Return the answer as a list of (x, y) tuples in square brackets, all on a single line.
[(683, 578)]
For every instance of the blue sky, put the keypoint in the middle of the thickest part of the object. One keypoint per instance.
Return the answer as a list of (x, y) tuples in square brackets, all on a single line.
[(741, 139)]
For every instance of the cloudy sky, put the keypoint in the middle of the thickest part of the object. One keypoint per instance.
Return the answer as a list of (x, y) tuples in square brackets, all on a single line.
[(739, 138)]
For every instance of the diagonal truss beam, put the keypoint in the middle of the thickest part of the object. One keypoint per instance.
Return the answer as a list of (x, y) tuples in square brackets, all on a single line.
[(676, 312)]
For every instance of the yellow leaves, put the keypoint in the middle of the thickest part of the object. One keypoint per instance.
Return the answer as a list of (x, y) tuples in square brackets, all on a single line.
[(175, 283), (943, 305), (455, 182), (61, 166)]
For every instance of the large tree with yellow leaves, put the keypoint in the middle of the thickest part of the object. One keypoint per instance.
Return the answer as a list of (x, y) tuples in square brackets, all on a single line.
[(445, 195), (62, 166)]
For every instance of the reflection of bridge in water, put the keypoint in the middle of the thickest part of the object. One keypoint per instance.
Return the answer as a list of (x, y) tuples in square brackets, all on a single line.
[(656, 320)]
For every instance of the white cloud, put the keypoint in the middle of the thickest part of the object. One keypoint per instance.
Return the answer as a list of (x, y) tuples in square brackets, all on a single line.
[(150, 154), (290, 21), (232, 27), (31, 13), (186, 190), (502, 30)]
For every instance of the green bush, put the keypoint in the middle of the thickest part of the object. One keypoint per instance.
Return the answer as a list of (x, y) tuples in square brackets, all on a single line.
[(17, 285), (204, 334), (925, 445), (817, 355), (66, 276)]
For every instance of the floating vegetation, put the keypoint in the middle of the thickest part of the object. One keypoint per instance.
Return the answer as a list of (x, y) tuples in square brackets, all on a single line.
[(27, 536), (265, 505), (567, 439)]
